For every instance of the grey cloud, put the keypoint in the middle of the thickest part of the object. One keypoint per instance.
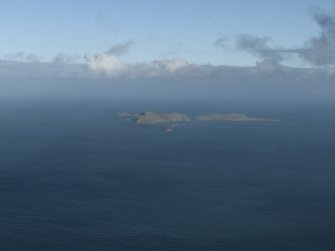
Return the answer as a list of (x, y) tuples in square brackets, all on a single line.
[(320, 50), (119, 49), (62, 58), (41, 69), (325, 20), (331, 72), (220, 42), (258, 46), (22, 57)]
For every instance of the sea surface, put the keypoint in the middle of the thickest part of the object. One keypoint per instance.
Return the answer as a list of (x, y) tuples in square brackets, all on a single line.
[(74, 176)]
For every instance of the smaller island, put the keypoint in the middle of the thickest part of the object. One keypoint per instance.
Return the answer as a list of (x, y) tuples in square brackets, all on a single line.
[(169, 128), (231, 117), (155, 117)]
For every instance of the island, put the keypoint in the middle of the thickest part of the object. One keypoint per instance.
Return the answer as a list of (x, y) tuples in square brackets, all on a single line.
[(169, 120), (230, 117), (170, 128), (155, 117)]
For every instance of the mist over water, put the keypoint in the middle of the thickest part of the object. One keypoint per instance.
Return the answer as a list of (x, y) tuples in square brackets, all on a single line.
[(297, 88), (74, 176)]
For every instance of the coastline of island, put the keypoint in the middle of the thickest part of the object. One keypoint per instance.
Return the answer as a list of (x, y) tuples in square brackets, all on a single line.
[(170, 119)]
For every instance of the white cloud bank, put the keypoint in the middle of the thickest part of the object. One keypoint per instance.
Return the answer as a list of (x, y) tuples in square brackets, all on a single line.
[(111, 66)]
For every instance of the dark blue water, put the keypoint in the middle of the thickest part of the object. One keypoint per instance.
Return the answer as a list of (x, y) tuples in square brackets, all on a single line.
[(76, 177)]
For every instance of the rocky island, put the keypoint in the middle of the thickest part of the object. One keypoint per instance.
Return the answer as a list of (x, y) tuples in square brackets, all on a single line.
[(230, 117), (169, 120), (169, 128), (155, 117)]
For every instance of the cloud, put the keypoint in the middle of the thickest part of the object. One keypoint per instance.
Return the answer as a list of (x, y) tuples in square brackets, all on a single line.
[(320, 50), (119, 49), (331, 72), (62, 58), (110, 66), (41, 69), (268, 67), (22, 57), (220, 42), (105, 64), (258, 46)]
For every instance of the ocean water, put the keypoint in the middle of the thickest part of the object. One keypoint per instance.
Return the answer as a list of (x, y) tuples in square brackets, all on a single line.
[(74, 176)]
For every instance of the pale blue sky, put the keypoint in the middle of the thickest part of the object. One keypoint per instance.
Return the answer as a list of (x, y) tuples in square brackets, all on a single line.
[(159, 29)]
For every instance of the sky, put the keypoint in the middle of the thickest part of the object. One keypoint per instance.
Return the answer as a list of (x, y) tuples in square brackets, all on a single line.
[(215, 32)]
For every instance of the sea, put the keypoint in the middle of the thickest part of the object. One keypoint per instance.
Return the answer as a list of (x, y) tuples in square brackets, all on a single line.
[(75, 176)]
